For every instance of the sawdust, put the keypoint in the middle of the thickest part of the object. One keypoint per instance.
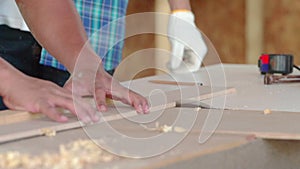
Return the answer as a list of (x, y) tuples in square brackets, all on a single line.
[(75, 155)]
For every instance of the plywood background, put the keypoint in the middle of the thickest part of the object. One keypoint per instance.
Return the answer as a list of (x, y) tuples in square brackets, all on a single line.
[(137, 43), (224, 22), (282, 27)]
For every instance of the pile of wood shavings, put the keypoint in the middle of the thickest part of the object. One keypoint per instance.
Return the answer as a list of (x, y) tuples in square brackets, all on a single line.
[(75, 155)]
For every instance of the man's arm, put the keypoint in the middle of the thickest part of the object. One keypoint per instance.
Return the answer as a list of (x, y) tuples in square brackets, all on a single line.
[(57, 27), (180, 5)]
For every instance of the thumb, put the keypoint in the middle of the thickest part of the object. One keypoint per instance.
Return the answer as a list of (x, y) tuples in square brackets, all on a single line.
[(194, 60), (177, 54)]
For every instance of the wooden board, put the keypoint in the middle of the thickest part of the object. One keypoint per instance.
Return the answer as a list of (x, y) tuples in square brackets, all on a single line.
[(277, 125), (245, 121), (189, 148), (251, 93), (36, 126)]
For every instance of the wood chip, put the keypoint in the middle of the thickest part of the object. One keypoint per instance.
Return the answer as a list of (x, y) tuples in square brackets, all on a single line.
[(179, 130), (164, 128), (267, 111), (48, 132)]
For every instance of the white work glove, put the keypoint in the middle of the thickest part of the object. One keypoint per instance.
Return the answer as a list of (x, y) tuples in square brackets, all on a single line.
[(184, 36)]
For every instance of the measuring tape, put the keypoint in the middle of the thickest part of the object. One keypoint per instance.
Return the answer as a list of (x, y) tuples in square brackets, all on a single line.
[(276, 63)]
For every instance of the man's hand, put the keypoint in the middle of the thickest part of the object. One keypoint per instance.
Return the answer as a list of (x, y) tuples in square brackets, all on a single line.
[(104, 86), (183, 58), (21, 92)]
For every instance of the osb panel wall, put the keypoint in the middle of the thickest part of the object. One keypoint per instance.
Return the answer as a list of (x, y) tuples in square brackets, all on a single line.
[(282, 27), (223, 21), (137, 43)]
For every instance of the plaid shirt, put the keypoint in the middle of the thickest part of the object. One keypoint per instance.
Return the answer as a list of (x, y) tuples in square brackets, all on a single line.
[(97, 14)]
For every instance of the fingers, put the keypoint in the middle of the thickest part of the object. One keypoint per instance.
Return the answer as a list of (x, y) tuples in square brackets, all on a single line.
[(194, 61), (177, 54), (202, 48), (129, 97), (100, 96), (106, 86), (78, 107), (85, 112), (139, 102), (191, 63), (52, 112)]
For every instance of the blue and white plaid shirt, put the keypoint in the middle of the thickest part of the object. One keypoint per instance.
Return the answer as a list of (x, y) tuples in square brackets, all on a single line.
[(97, 14)]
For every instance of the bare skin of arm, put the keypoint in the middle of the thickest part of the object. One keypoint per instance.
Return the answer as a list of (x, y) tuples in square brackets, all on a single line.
[(57, 27), (180, 4)]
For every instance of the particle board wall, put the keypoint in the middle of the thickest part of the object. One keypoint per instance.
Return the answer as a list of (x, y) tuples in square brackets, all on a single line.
[(223, 21), (137, 43), (282, 27)]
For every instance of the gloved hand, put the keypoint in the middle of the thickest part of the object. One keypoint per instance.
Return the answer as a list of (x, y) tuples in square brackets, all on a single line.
[(181, 29)]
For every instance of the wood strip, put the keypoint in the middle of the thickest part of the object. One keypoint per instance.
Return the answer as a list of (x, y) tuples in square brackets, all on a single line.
[(14, 116), (166, 82), (56, 127)]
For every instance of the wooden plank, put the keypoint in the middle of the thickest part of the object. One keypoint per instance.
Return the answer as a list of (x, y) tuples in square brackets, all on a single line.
[(277, 125)]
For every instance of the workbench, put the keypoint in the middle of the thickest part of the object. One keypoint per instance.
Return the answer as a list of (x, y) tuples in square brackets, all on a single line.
[(245, 147)]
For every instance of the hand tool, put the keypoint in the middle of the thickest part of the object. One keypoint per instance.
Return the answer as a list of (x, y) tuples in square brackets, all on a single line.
[(270, 78), (166, 82), (276, 63)]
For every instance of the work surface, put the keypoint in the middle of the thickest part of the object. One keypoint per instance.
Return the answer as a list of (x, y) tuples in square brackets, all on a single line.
[(245, 137), (251, 93)]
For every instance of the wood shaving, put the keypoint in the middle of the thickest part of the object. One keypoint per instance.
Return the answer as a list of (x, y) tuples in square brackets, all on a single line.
[(75, 155), (164, 128), (48, 132), (198, 109), (267, 111), (179, 129)]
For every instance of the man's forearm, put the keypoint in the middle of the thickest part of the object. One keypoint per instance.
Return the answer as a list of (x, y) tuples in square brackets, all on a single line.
[(7, 74), (57, 27), (180, 5)]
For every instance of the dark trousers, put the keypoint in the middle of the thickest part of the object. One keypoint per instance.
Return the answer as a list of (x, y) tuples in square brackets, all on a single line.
[(22, 51)]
